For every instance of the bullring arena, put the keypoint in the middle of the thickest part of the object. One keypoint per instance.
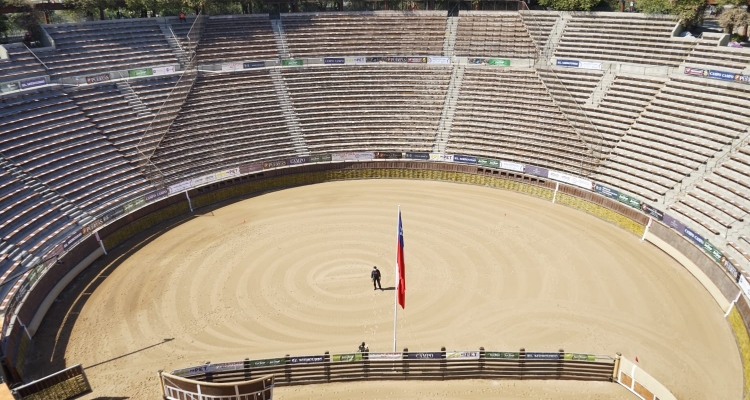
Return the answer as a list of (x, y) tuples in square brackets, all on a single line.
[(194, 208)]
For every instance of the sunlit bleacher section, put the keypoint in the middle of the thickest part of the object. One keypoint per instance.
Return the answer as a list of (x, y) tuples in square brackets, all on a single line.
[(708, 52), (378, 34), (380, 107), (539, 24), (687, 123), (46, 135), (20, 63), (227, 120), (509, 114), (237, 38), (638, 39), (101, 46), (497, 34)]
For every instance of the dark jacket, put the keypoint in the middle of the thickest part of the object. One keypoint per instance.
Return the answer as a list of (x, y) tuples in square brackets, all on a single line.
[(375, 274)]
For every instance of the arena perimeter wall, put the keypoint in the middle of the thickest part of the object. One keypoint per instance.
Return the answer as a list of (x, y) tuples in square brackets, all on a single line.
[(633, 221)]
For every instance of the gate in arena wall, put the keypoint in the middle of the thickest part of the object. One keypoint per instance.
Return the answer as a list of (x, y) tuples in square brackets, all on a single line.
[(178, 388)]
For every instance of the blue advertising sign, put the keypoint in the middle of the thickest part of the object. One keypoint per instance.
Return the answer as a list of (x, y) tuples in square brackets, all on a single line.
[(336, 60), (544, 356), (465, 159), (727, 76), (605, 191), (568, 63), (698, 239), (33, 82), (417, 156), (538, 171), (674, 224), (256, 64)]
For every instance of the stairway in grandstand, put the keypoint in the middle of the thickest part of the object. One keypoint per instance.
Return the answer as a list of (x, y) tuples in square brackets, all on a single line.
[(449, 109), (290, 116)]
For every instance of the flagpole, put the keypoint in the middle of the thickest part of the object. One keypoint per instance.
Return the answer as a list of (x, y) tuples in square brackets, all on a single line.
[(395, 291)]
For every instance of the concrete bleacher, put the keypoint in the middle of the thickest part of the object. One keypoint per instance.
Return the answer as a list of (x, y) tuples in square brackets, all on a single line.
[(48, 136), (100, 46), (687, 123), (373, 107), (707, 52), (237, 38), (539, 24), (365, 34), (227, 120), (523, 124), (623, 37), (497, 34), (20, 64)]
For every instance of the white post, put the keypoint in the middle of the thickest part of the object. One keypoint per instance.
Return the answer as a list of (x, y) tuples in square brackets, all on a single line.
[(645, 231), (395, 290), (554, 196), (100, 242), (190, 203), (732, 304)]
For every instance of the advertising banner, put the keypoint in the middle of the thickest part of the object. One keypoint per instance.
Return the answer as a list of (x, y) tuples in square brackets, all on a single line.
[(416, 60), (72, 239), (232, 66), (91, 226), (352, 156), (570, 179), (579, 357), (163, 70), (292, 62), (227, 366), (248, 168), (712, 251), (538, 171), (179, 187), (417, 156), (269, 362), (97, 78), (307, 359), (202, 180), (441, 157), (501, 354), (695, 71), (674, 224), (730, 268), (742, 78), (141, 72), (543, 356), (254, 64), (274, 164), (590, 65), (631, 201), (392, 59), (425, 355), (354, 60), (512, 166), (438, 60), (387, 155), (191, 370), (696, 238), (112, 214), (744, 285), (320, 158), (605, 191), (33, 82), (334, 60), (156, 195), (652, 212), (464, 159), (567, 63), (477, 61), (499, 62), (9, 87), (462, 355), (385, 356), (132, 205), (346, 357), (297, 160), (723, 75), (488, 162), (372, 59), (226, 174)]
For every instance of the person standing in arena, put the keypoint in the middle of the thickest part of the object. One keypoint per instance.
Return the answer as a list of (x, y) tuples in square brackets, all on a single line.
[(375, 276)]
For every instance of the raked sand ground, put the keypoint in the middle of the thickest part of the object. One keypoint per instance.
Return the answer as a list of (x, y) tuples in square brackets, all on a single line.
[(288, 273)]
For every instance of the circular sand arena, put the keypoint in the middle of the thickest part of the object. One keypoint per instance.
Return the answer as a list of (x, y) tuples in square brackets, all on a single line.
[(288, 273)]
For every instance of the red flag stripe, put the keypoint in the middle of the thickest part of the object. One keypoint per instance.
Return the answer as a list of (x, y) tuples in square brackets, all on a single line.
[(401, 265)]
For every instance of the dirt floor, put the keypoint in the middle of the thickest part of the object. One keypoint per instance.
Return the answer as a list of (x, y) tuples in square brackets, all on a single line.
[(288, 273)]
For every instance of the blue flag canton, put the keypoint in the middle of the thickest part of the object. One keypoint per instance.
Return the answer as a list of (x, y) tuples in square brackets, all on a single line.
[(400, 232)]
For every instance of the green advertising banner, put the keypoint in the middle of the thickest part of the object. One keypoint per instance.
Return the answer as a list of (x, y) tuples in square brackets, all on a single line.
[(499, 62), (269, 362), (320, 158), (631, 201), (346, 357), (579, 357), (140, 72), (488, 162), (292, 62), (500, 354), (712, 251), (133, 204)]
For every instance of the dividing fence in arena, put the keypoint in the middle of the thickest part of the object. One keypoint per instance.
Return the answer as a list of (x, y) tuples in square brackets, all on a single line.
[(67, 384), (178, 388), (401, 366)]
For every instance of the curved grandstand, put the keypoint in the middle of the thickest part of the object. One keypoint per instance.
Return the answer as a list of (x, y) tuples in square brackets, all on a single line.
[(117, 126)]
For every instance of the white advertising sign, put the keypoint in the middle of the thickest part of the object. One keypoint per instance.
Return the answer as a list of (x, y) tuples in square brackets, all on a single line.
[(163, 70), (590, 65), (180, 187), (744, 285), (385, 356), (352, 156), (462, 355), (441, 157), (438, 60), (511, 166), (354, 60), (234, 66), (573, 180)]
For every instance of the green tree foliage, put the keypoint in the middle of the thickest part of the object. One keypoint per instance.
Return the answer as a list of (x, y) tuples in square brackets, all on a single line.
[(690, 12), (93, 8), (655, 6), (569, 5), (734, 18)]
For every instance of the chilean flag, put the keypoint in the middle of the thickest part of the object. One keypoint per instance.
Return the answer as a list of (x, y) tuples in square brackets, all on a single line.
[(401, 265)]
